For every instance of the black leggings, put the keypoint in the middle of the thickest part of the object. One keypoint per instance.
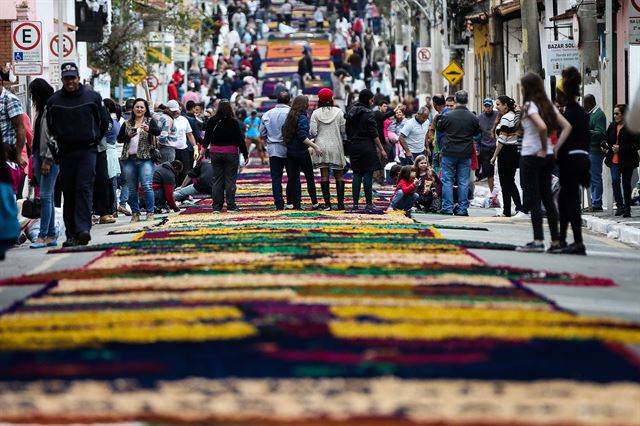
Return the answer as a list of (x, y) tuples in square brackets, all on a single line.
[(507, 166), (296, 165), (574, 171), (535, 179)]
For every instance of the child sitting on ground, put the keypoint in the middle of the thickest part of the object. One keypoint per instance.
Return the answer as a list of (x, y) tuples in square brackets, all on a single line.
[(429, 186), (405, 194)]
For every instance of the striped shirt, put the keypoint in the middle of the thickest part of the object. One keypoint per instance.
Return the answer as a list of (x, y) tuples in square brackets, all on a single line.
[(507, 129)]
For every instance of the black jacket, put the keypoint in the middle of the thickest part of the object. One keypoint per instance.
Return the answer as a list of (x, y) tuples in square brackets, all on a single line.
[(77, 120), (361, 123), (461, 127), (225, 132), (203, 171), (380, 118), (361, 130), (628, 150)]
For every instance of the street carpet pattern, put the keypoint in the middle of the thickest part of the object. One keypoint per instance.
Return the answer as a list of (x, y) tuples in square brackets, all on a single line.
[(270, 317)]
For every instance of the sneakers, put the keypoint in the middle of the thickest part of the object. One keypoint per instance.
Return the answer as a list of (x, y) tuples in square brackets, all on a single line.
[(461, 213), (557, 248), (521, 215), (124, 210), (106, 219), (627, 212), (592, 209), (289, 207), (233, 210), (70, 242), (135, 217), (149, 216), (531, 247), (577, 249), (619, 211)]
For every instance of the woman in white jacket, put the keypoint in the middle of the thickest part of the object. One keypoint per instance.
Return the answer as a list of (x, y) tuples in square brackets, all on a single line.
[(328, 129)]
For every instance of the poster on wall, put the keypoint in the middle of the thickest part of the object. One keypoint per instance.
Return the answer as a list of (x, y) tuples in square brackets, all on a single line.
[(562, 54), (91, 17)]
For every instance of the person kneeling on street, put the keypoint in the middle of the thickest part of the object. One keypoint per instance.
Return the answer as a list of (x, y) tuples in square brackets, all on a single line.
[(199, 180), (405, 195), (164, 184)]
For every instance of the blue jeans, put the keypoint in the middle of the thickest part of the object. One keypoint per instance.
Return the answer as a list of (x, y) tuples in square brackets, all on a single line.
[(460, 168), (184, 193), (47, 208), (596, 178), (622, 176), (277, 165), (124, 189), (139, 171), (400, 201)]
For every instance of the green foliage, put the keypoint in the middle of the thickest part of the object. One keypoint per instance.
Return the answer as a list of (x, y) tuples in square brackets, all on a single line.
[(124, 44)]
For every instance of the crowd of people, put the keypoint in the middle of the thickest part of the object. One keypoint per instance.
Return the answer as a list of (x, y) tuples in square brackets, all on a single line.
[(107, 159)]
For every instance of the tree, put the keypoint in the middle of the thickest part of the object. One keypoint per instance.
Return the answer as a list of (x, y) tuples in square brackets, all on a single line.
[(122, 43)]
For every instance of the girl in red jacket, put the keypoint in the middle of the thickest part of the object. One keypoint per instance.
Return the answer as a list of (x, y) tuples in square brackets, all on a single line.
[(405, 195)]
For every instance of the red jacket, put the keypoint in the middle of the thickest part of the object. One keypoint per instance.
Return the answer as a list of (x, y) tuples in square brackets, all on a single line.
[(406, 187)]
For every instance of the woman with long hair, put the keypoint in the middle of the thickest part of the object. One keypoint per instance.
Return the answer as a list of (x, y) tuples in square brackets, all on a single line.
[(225, 140), (295, 134), (45, 167), (622, 159), (539, 120), (113, 162), (328, 130), (573, 161), (138, 136), (507, 154)]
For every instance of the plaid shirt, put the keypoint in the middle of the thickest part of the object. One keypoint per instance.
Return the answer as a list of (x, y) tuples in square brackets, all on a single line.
[(10, 107), (167, 130)]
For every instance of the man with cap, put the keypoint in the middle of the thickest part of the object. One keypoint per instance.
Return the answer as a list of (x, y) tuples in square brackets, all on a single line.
[(461, 127), (78, 121), (167, 138), (488, 142), (183, 138), (12, 130)]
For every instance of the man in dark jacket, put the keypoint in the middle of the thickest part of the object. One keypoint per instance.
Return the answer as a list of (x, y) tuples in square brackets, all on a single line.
[(201, 176), (488, 142), (461, 127), (597, 130), (164, 184), (365, 148), (78, 121)]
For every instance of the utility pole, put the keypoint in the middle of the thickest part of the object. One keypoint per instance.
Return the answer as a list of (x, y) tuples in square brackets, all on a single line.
[(423, 82), (438, 52), (496, 29), (531, 36), (589, 43)]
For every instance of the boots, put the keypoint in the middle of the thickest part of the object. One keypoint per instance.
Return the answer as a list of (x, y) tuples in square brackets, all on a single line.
[(627, 212), (340, 191), (326, 194)]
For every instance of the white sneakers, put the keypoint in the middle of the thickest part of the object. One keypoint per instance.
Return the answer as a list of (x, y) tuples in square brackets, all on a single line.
[(521, 215)]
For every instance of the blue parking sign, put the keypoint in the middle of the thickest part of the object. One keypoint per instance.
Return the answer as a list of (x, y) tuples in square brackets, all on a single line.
[(18, 56)]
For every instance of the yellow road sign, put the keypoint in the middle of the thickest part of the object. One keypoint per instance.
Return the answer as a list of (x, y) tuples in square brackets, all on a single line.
[(453, 73), (135, 74)]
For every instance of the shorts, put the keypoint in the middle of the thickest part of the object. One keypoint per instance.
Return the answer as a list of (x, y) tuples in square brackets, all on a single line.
[(487, 169)]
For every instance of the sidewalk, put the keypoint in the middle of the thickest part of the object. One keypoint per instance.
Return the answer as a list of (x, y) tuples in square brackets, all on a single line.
[(626, 230)]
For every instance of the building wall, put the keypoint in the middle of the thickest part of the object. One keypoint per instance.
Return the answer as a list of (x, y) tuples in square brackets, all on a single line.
[(513, 58), (5, 41), (622, 44)]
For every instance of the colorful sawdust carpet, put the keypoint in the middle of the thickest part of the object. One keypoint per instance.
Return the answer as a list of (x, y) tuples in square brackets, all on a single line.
[(314, 318)]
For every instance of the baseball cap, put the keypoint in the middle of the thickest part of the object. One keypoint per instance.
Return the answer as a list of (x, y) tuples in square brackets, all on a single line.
[(173, 105), (69, 69), (487, 101)]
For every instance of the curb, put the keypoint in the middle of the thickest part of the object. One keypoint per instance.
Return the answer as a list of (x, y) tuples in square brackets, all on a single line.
[(612, 229)]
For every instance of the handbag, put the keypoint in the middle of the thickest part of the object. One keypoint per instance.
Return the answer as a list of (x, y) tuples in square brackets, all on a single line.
[(31, 206)]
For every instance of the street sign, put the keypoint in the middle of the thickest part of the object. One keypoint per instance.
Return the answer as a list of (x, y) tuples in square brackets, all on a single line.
[(152, 82), (26, 44), (634, 10), (562, 54), (68, 44), (453, 73), (135, 74), (54, 74), (424, 60)]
